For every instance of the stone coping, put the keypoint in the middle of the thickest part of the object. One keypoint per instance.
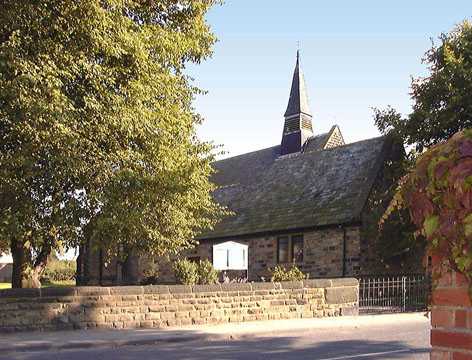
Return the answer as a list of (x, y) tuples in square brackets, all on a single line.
[(174, 289)]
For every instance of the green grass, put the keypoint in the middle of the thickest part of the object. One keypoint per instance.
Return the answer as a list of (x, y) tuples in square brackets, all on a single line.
[(67, 283)]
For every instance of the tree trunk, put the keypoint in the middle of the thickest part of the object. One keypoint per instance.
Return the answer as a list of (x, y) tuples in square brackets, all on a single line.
[(19, 274), (35, 280)]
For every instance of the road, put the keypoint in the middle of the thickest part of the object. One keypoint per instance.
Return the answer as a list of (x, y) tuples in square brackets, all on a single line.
[(391, 340)]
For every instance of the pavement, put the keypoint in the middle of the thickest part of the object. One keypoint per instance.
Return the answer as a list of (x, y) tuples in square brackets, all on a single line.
[(361, 329)]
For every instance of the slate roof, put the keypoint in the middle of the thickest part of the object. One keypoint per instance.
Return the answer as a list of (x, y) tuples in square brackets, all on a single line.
[(317, 142), (268, 192)]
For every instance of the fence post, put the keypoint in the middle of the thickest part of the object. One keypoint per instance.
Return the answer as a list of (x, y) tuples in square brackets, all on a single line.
[(404, 292)]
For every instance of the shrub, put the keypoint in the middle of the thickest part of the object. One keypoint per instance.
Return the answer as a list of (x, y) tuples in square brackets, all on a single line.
[(207, 274), (279, 273), (150, 276), (186, 272), (60, 270)]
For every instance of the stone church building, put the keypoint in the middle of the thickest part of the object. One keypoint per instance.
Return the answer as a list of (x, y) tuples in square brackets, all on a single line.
[(303, 201)]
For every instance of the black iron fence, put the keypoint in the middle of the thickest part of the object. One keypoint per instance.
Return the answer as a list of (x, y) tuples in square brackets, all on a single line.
[(394, 293)]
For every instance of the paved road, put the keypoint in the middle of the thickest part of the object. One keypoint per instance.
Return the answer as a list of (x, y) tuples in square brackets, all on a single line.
[(391, 340)]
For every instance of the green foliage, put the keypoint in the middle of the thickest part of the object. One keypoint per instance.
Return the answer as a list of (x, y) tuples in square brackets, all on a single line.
[(438, 194), (150, 276), (207, 274), (191, 273), (280, 273), (97, 126), (60, 270), (442, 101), (186, 272), (393, 247)]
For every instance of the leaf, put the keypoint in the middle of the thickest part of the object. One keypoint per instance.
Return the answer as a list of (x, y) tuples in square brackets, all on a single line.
[(430, 225), (468, 225)]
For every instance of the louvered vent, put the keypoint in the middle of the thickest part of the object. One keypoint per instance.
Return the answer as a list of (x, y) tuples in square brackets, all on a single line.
[(291, 125)]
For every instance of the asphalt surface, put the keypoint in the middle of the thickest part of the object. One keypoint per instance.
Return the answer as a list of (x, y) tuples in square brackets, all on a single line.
[(391, 338)]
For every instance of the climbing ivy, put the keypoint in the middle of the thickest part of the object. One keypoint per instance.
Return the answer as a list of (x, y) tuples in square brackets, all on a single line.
[(438, 194)]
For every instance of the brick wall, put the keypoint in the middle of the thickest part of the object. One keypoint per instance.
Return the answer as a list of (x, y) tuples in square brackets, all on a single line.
[(162, 306), (451, 319)]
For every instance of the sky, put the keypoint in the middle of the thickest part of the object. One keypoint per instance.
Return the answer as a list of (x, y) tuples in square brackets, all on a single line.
[(355, 55)]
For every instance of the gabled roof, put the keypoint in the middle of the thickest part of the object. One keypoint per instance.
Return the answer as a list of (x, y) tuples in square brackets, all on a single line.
[(298, 100), (309, 189)]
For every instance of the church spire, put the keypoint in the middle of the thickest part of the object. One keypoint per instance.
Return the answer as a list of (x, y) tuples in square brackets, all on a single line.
[(298, 100), (297, 127)]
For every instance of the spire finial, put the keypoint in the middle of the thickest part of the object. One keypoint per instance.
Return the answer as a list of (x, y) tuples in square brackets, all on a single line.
[(298, 50)]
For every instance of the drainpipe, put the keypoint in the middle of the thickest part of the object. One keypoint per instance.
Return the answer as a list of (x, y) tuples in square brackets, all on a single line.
[(344, 251)]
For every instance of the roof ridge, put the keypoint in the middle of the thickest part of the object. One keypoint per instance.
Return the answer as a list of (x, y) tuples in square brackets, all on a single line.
[(356, 142), (244, 154)]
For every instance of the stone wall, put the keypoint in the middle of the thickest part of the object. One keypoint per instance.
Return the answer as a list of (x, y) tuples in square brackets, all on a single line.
[(5, 272), (163, 306), (323, 254), (451, 319)]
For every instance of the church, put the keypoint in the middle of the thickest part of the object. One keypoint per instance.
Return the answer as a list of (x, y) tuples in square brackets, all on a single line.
[(305, 201)]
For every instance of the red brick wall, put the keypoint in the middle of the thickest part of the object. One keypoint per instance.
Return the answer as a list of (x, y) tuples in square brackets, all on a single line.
[(451, 319)]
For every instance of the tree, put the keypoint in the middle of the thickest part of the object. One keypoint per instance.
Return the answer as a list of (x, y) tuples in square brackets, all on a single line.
[(442, 104), (437, 191), (97, 129)]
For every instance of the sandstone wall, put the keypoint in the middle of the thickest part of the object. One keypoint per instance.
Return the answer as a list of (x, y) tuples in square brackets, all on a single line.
[(323, 254), (174, 305)]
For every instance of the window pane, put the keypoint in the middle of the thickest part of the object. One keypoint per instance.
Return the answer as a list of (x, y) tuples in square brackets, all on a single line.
[(282, 246), (297, 248)]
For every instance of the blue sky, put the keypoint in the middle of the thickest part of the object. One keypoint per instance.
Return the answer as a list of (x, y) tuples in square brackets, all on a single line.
[(355, 55)]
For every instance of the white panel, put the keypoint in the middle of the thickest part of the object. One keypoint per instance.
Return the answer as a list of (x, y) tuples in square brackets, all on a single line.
[(230, 255)]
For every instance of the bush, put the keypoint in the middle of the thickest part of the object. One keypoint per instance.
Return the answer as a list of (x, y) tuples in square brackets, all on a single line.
[(186, 272), (279, 273), (60, 270), (150, 276), (207, 274)]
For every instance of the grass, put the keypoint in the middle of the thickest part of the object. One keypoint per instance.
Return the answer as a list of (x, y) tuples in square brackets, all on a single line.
[(67, 283)]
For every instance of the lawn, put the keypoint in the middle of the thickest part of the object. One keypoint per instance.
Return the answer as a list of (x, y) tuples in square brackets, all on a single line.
[(67, 283)]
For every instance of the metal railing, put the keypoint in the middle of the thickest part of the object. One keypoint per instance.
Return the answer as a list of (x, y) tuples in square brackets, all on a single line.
[(394, 293)]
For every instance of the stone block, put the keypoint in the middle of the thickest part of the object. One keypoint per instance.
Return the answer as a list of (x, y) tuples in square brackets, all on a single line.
[(345, 282), (206, 288), (126, 290), (236, 287), (92, 291), (58, 292), (20, 293), (317, 283), (341, 295), (292, 285), (180, 289)]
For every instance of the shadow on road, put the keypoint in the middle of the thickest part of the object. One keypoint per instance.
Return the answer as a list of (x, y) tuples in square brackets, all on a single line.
[(273, 348)]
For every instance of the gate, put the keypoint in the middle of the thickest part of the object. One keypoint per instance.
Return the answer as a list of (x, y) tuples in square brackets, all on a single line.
[(394, 293)]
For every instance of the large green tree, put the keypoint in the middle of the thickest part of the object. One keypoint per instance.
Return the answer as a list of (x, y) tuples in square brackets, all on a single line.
[(442, 104), (97, 129)]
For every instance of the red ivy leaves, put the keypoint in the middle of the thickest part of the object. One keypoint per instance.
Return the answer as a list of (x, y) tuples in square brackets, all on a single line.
[(438, 193)]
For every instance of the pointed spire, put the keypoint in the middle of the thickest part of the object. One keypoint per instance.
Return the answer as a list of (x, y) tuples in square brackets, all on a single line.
[(298, 101), (297, 127)]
